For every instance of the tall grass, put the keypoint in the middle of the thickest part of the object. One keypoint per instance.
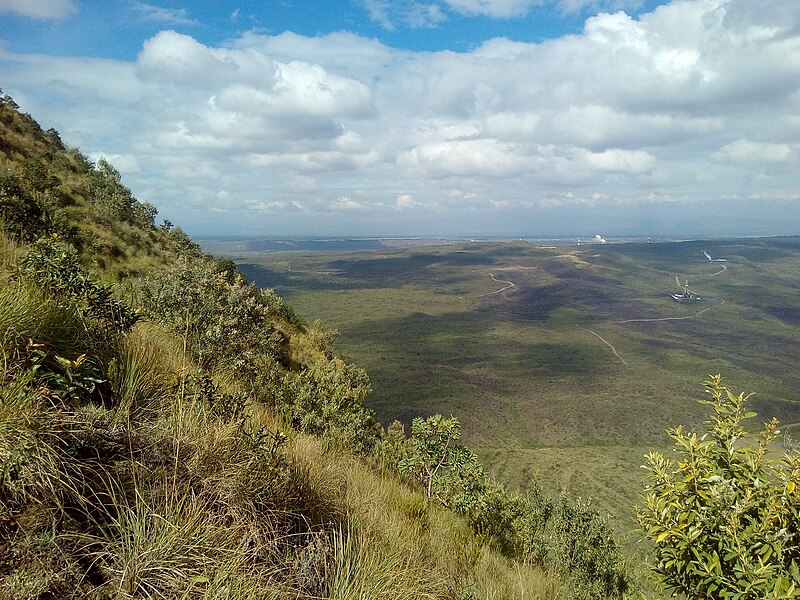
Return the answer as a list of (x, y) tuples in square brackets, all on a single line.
[(28, 315), (31, 468), (9, 252), (145, 373), (362, 570), (165, 547), (497, 578)]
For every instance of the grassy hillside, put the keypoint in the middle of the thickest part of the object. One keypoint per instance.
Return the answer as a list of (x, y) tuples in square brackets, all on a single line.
[(168, 430), (564, 365)]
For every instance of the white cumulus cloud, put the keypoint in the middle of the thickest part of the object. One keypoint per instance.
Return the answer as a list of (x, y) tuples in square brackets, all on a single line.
[(620, 161), (346, 203), (405, 201), (746, 151)]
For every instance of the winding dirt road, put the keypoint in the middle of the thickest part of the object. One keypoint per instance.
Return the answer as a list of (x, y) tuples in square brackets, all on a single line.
[(508, 285), (606, 342)]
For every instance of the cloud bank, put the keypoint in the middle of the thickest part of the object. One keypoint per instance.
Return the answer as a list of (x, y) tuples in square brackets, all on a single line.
[(696, 103)]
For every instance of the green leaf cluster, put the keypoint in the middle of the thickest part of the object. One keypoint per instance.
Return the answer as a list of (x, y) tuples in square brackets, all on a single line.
[(54, 265), (724, 513)]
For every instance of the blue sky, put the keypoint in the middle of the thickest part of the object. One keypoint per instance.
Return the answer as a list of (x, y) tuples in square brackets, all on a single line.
[(371, 117), (117, 29)]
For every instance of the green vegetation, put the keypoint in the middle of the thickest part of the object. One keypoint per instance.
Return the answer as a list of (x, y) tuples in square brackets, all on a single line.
[(208, 443), (447, 471), (725, 515), (529, 369)]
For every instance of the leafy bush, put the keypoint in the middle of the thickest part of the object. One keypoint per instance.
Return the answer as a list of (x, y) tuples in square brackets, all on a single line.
[(568, 537), (515, 523), (585, 551), (327, 399), (22, 213), (448, 471), (54, 266), (223, 319), (184, 246), (74, 380), (392, 448), (725, 513)]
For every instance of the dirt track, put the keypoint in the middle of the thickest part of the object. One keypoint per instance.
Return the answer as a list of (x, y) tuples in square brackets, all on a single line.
[(606, 342), (508, 285), (694, 316)]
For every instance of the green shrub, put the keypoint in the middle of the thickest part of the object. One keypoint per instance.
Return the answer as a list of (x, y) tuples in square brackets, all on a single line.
[(327, 399), (448, 471), (516, 524), (392, 448), (585, 551), (54, 266), (724, 514), (222, 319), (22, 213)]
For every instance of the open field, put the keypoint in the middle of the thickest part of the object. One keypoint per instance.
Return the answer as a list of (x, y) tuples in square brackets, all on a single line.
[(566, 363)]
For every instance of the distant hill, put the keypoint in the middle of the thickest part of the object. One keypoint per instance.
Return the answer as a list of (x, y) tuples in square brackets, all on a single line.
[(226, 247)]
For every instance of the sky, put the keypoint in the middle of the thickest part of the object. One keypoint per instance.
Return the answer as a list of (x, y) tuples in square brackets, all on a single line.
[(519, 118)]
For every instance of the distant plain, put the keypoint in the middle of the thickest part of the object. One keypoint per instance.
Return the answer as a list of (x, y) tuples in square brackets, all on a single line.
[(562, 363)]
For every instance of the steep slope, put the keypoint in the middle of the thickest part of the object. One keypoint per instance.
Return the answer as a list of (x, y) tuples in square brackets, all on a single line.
[(169, 430)]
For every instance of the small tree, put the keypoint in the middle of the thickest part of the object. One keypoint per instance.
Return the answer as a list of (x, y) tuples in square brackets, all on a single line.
[(448, 471), (725, 516)]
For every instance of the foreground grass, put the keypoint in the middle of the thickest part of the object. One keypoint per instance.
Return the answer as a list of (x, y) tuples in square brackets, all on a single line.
[(145, 491), (203, 517)]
